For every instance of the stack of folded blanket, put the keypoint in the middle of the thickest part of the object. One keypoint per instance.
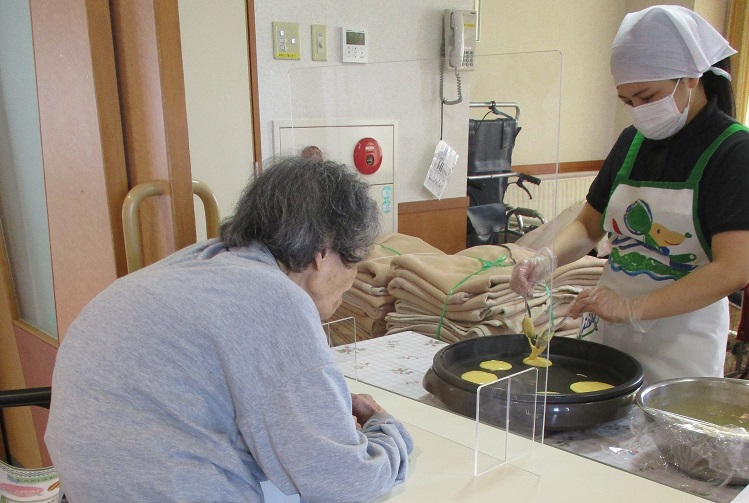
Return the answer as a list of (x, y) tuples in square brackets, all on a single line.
[(455, 297), (368, 301)]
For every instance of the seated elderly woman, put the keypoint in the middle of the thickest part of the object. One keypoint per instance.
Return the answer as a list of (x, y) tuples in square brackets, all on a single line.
[(204, 374)]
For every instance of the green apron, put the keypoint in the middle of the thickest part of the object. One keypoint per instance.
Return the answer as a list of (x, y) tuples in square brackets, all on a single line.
[(656, 239)]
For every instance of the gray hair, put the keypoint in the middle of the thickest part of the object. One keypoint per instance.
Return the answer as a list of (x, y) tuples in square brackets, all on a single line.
[(298, 207)]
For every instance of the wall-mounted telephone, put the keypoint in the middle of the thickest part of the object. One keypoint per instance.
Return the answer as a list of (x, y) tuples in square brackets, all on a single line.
[(459, 39)]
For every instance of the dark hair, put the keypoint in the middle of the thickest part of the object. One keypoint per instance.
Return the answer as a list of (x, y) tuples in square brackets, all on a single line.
[(298, 207), (720, 87)]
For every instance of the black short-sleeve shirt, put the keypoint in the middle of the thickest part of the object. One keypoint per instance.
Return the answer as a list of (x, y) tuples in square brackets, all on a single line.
[(723, 199)]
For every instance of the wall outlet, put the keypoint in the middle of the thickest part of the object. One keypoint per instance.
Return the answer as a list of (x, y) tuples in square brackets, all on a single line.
[(286, 43), (319, 42)]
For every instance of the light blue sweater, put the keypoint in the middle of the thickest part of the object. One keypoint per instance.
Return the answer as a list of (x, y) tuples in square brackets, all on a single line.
[(198, 377)]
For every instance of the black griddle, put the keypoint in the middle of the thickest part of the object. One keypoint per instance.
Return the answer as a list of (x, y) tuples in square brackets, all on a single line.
[(573, 360)]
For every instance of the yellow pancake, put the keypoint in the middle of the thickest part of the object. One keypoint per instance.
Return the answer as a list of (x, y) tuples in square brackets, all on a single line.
[(537, 361), (589, 386), (478, 376), (495, 365)]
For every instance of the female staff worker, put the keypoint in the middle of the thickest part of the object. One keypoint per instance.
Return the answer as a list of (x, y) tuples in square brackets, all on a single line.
[(673, 194)]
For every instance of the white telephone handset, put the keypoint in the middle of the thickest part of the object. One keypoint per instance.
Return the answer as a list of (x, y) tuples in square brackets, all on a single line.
[(458, 47), (459, 39)]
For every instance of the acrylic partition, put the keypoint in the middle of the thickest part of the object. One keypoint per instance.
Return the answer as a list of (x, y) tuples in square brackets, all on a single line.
[(331, 107)]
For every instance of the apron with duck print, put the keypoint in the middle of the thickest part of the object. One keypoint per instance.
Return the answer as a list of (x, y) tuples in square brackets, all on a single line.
[(656, 239)]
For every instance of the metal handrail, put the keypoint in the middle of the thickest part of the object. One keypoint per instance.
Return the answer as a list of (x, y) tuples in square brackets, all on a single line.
[(498, 104), (131, 220)]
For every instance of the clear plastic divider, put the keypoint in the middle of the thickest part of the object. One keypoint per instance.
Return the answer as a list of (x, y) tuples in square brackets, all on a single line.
[(509, 423), (342, 339), (324, 100)]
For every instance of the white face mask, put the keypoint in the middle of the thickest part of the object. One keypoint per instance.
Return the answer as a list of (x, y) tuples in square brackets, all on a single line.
[(660, 119)]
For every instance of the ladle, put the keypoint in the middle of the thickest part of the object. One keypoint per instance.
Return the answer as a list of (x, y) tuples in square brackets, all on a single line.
[(543, 339)]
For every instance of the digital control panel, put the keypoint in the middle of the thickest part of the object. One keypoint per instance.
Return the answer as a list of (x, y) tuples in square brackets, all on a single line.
[(354, 45)]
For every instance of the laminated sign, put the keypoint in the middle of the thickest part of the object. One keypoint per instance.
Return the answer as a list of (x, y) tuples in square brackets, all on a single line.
[(442, 166)]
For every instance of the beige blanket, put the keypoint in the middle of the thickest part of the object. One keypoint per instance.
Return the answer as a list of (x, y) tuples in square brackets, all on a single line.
[(375, 270)]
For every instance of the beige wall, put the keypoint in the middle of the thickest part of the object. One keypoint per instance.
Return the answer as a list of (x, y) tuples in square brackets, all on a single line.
[(715, 12), (217, 95), (582, 31)]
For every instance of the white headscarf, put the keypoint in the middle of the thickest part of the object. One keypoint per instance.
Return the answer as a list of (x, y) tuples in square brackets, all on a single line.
[(666, 42)]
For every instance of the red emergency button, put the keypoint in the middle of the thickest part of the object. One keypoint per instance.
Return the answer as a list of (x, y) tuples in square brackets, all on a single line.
[(367, 156)]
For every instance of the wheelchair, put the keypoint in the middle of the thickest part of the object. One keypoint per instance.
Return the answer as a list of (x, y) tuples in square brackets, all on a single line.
[(490, 145), (41, 485)]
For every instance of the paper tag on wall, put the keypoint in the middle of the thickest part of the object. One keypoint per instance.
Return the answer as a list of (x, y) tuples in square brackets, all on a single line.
[(441, 168)]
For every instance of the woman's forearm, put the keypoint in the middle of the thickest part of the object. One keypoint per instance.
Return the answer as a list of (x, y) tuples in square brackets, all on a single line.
[(579, 237)]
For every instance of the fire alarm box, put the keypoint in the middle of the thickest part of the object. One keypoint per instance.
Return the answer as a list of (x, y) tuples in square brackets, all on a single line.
[(367, 156)]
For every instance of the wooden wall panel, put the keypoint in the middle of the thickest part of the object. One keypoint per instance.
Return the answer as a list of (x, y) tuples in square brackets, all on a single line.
[(18, 421), (81, 148), (254, 87), (441, 223), (152, 97), (38, 359)]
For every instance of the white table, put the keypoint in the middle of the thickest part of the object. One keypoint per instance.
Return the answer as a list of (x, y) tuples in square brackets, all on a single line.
[(606, 463), (441, 468)]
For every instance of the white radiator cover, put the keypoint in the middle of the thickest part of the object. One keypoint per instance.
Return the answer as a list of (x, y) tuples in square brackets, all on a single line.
[(567, 191)]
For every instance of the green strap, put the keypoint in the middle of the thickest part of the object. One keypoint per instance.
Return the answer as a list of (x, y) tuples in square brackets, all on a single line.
[(389, 249), (629, 161), (699, 166), (626, 169), (485, 265), (696, 175)]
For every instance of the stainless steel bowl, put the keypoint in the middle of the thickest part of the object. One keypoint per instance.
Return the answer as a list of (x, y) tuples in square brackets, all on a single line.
[(701, 426)]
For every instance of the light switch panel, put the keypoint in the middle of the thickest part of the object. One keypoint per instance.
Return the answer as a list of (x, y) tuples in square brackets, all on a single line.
[(319, 42), (286, 43)]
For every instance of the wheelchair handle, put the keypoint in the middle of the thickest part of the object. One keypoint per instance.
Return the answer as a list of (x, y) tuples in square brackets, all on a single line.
[(534, 180), (523, 177)]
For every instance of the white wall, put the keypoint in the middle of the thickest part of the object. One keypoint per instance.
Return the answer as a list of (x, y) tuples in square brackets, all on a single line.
[(217, 94), (400, 82)]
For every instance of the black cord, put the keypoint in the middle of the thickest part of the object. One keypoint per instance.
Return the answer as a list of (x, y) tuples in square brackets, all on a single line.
[(442, 118), (475, 129)]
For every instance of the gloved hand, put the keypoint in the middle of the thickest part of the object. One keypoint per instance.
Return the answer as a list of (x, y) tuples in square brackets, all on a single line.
[(612, 307), (528, 272)]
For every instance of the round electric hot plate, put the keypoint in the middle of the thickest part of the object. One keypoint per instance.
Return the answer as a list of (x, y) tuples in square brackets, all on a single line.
[(573, 361)]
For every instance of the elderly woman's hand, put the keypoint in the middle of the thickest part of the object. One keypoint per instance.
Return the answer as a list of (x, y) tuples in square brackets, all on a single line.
[(362, 408)]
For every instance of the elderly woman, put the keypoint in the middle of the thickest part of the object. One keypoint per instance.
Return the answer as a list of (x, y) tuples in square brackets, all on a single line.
[(672, 195), (201, 376)]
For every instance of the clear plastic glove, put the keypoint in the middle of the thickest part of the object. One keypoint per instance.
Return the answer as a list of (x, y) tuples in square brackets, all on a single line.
[(612, 307), (529, 272)]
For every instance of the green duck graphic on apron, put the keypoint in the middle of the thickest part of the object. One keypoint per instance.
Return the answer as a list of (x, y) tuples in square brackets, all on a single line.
[(653, 236), (656, 239)]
